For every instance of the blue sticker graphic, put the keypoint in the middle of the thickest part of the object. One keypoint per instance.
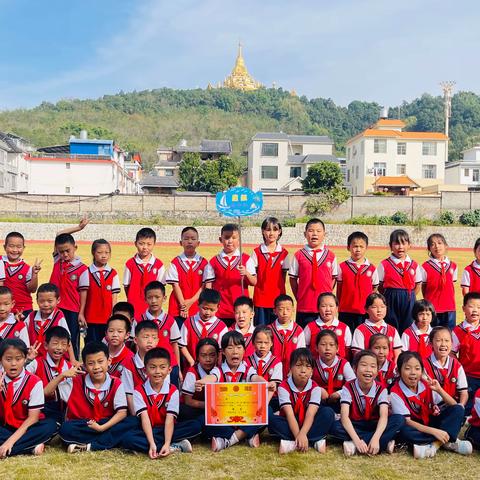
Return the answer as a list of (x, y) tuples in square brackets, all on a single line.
[(239, 202)]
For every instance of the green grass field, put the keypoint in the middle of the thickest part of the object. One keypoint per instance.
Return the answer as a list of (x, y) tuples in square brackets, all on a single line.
[(240, 462)]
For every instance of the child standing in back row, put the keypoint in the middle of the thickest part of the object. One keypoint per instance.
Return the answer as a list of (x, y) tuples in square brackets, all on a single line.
[(471, 274)]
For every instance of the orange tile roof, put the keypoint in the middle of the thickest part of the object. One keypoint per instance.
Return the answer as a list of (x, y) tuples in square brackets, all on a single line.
[(390, 122), (373, 132), (400, 181)]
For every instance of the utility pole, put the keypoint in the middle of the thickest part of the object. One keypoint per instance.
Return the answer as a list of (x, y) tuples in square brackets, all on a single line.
[(447, 87)]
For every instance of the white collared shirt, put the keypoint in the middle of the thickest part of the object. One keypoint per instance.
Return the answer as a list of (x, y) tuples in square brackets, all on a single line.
[(242, 368), (127, 376), (398, 404), (293, 271), (127, 275), (346, 397), (358, 341), (285, 263), (188, 385), (183, 342), (172, 406), (84, 280), (38, 319), (284, 394), (406, 338), (365, 262), (396, 261), (209, 273), (172, 273), (347, 338), (36, 399), (174, 330), (21, 334)]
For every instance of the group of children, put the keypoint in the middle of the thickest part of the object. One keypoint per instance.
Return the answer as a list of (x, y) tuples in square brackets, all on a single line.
[(367, 366)]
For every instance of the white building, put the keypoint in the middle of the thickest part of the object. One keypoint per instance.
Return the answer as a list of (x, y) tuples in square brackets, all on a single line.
[(278, 162), (385, 150), (467, 171), (13, 167)]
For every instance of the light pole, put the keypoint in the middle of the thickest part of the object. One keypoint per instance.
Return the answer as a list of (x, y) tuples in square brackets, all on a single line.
[(447, 87)]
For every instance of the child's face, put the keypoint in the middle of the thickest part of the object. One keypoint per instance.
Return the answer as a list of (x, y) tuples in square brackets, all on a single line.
[(357, 249), (234, 355), (477, 254), (315, 235), (116, 333), (471, 311), (243, 317), (207, 357), (301, 372), (377, 311), (411, 373), (66, 251), (367, 370), (327, 309), (155, 299), (284, 312), (56, 348), (13, 361), (230, 241), (157, 369), (381, 348), (207, 310), (6, 306), (146, 340), (14, 247), (47, 302), (423, 320), (437, 248), (189, 242), (442, 344), (271, 234), (327, 348), (263, 344), (400, 250), (145, 247), (102, 255), (96, 365)]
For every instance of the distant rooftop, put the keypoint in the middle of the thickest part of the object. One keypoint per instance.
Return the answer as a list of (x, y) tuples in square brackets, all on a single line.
[(158, 181), (310, 158), (293, 138), (9, 142), (63, 149), (206, 146)]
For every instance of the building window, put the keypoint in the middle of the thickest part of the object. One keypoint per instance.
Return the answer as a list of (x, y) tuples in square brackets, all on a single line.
[(67, 189), (354, 150), (356, 172), (401, 168), (379, 146), (295, 172), (466, 172), (169, 173), (476, 175), (67, 166), (379, 169), (269, 173), (269, 149), (429, 148), (429, 171), (401, 148)]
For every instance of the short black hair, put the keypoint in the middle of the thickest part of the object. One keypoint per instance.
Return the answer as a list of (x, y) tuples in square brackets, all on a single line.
[(375, 337), (209, 295), (404, 357), (64, 238), (357, 236), (124, 307), (145, 325), (471, 296), (326, 333), (5, 291), (363, 353), (372, 297), (243, 300), (477, 244), (313, 221), (97, 243), (48, 288), (57, 332), (423, 305), (206, 341), (229, 228), (302, 354), (94, 347), (234, 337), (262, 329), (15, 343), (187, 229), (325, 295), (156, 352), (155, 285), (146, 233), (120, 318), (14, 235), (438, 329), (283, 297), (271, 222), (399, 236)]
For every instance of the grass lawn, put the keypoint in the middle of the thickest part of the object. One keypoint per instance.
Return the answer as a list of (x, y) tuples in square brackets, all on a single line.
[(239, 462)]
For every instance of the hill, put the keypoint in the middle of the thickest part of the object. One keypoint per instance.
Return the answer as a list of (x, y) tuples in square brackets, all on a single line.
[(144, 120)]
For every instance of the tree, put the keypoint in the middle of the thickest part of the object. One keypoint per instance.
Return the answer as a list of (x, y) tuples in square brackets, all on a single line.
[(189, 172), (322, 177)]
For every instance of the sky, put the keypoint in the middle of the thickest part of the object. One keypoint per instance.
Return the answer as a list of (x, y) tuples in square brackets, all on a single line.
[(371, 50)]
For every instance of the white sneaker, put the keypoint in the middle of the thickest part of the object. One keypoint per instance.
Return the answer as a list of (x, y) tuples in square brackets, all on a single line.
[(78, 447), (287, 446), (462, 447), (424, 451), (390, 447), (349, 449), (320, 446), (183, 447), (219, 443), (254, 442), (39, 449)]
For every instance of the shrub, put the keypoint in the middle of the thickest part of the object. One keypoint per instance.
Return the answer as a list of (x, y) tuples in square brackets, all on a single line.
[(471, 218), (446, 218), (399, 218), (384, 220)]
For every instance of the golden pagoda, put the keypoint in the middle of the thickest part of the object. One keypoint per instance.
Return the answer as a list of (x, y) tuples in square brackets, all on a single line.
[(240, 79)]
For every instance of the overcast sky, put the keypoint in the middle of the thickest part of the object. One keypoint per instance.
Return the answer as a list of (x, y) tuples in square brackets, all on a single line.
[(374, 50)]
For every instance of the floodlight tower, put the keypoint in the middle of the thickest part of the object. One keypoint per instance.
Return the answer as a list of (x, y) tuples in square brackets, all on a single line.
[(447, 87)]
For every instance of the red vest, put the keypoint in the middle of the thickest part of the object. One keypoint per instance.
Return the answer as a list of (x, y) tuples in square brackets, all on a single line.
[(11, 330), (356, 286), (267, 367), (140, 276), (283, 346), (98, 306), (340, 329), (16, 281), (368, 331), (35, 332), (201, 394), (469, 350), (80, 405), (227, 282), (387, 378), (357, 409), (189, 281), (157, 419), (447, 378), (138, 374), (393, 277), (65, 276), (321, 375), (421, 407), (474, 420), (118, 362), (194, 335), (474, 278), (439, 289), (249, 346), (293, 398), (414, 343), (307, 296), (44, 372), (270, 278)]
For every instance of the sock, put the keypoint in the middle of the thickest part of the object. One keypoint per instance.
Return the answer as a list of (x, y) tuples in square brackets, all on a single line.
[(232, 440)]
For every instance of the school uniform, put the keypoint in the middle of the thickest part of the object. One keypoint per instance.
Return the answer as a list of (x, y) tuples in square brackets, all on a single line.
[(66, 275), (17, 277), (316, 271), (84, 403), (471, 277), (137, 276), (10, 328), (354, 284), (271, 268), (222, 272), (332, 377), (249, 346), (268, 367), (361, 336), (117, 363), (290, 395), (438, 279), (187, 273), (133, 373), (419, 407), (18, 396), (286, 339), (194, 329), (344, 335), (387, 374), (399, 279), (415, 341), (364, 413), (101, 284), (473, 430), (37, 327)]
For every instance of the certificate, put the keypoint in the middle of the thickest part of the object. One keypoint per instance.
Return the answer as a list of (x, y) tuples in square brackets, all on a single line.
[(236, 404)]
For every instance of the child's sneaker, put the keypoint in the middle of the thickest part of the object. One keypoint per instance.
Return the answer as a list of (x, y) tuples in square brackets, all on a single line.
[(349, 449), (462, 447), (320, 446), (254, 442), (287, 446), (390, 447), (39, 449), (78, 447), (219, 443), (424, 451), (183, 447)]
